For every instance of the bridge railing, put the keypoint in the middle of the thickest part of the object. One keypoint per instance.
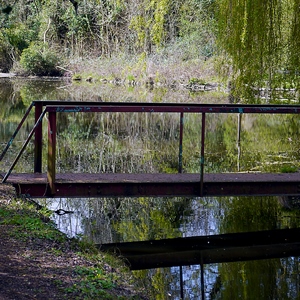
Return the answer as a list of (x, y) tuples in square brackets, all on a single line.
[(52, 108)]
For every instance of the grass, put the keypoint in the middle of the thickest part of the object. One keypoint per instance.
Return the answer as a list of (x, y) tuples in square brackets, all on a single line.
[(83, 271), (289, 169), (162, 72)]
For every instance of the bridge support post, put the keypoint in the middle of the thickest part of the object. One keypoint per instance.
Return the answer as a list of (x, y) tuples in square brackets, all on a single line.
[(38, 136), (51, 151), (180, 143), (202, 278), (202, 154)]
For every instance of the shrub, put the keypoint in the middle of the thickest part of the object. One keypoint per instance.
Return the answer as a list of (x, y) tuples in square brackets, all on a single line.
[(5, 59), (39, 59)]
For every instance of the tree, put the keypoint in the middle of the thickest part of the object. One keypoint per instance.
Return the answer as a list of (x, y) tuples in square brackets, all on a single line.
[(261, 42)]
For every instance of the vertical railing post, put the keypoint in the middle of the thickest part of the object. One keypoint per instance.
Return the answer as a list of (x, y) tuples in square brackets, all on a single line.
[(202, 279), (202, 154), (180, 143), (239, 141), (38, 136), (181, 283), (51, 151)]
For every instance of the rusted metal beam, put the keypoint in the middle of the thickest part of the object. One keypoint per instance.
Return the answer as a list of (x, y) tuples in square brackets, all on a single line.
[(85, 106), (23, 146), (16, 131), (38, 139), (202, 154), (173, 108), (62, 106), (157, 185), (52, 151), (180, 142)]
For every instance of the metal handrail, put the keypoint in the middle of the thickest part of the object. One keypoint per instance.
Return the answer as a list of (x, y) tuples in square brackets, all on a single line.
[(24, 145), (53, 107), (16, 131)]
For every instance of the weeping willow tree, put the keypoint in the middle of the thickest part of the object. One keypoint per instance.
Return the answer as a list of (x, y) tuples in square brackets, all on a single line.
[(261, 43)]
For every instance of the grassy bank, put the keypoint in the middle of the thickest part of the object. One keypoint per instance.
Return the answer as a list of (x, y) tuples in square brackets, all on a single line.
[(39, 262), (156, 71)]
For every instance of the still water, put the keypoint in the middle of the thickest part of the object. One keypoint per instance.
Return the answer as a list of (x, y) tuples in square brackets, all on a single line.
[(149, 143)]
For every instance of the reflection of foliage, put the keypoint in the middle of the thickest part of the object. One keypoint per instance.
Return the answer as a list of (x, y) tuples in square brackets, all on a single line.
[(249, 280), (151, 142), (152, 218), (250, 214), (255, 279), (125, 142), (267, 143)]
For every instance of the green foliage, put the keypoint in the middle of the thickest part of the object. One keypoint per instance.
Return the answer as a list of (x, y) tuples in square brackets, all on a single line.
[(289, 169), (20, 36), (197, 26), (260, 38), (40, 60), (27, 220), (5, 49), (93, 283), (102, 28)]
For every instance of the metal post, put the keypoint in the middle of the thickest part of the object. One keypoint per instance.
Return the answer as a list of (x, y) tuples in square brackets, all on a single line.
[(180, 143), (38, 136), (24, 146), (202, 154), (16, 131), (51, 151), (181, 283), (239, 140), (202, 279)]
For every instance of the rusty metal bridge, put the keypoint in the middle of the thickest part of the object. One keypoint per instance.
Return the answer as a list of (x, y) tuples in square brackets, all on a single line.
[(52, 184)]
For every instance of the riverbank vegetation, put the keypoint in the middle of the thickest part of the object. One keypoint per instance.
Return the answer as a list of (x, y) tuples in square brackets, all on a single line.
[(45, 264), (253, 44)]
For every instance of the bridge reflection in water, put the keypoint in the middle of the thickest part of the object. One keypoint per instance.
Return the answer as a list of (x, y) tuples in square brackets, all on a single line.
[(210, 249)]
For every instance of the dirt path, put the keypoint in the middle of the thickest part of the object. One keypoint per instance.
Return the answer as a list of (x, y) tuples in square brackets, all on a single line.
[(27, 269), (40, 268), (27, 273)]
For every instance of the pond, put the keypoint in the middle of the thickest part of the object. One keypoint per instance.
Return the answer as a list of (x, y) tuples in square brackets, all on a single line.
[(133, 143)]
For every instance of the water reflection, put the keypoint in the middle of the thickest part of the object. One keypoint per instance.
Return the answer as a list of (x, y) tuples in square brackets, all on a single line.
[(206, 216), (140, 143)]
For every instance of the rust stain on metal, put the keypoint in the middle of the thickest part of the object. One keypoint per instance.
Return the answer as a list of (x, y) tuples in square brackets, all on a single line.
[(162, 185)]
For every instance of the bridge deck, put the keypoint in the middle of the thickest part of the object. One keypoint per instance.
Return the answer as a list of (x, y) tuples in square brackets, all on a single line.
[(163, 185)]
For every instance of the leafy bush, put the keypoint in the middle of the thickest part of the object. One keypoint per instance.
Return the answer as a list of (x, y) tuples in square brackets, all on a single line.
[(5, 59), (39, 59)]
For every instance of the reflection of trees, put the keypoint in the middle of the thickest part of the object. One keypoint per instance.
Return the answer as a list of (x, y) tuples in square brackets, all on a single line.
[(253, 279), (128, 219), (150, 218), (12, 107), (120, 142), (247, 142), (153, 218)]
